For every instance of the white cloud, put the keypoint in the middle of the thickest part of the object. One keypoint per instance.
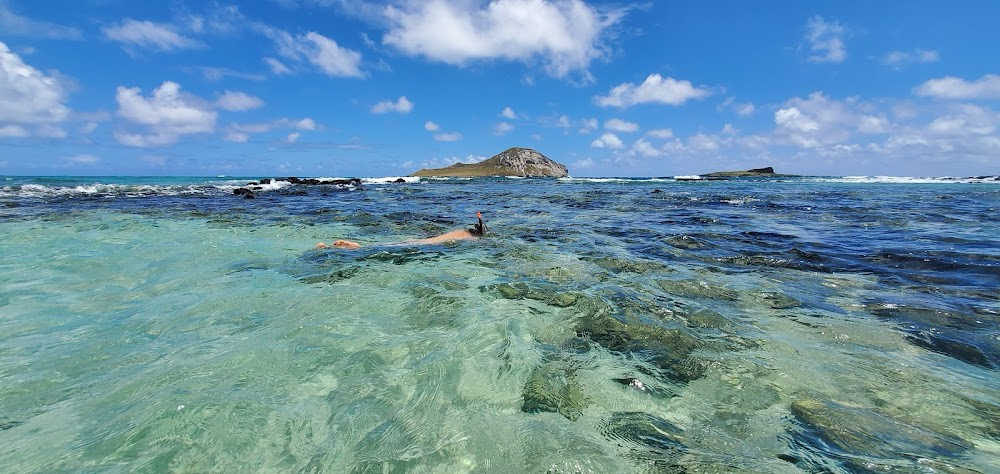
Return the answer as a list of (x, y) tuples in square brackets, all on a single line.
[(13, 131), (448, 161), (167, 114), (448, 137), (219, 73), (88, 128), (238, 101), (236, 137), (277, 67), (900, 58), (315, 48), (431, 126), (608, 140), (564, 122), (147, 34), (644, 148), (966, 120), (508, 113), (793, 119), (744, 109), (331, 58), (28, 98), (565, 35), (703, 143), (502, 128), (655, 89), (293, 137), (13, 24), (240, 133), (401, 105), (873, 124), (589, 125), (950, 87), (619, 125), (661, 133), (584, 163), (306, 124), (826, 41)]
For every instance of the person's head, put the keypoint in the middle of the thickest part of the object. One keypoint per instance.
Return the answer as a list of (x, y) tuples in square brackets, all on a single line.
[(479, 228)]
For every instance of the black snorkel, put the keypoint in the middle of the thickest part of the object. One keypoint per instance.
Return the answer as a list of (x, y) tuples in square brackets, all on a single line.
[(479, 228)]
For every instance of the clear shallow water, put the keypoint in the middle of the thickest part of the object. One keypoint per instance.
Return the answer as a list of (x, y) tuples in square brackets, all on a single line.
[(803, 325)]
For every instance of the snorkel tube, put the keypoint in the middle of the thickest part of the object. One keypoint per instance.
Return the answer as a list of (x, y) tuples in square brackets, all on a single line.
[(479, 228)]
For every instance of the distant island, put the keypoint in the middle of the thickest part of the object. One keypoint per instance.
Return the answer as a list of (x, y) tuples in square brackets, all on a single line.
[(767, 172), (516, 161)]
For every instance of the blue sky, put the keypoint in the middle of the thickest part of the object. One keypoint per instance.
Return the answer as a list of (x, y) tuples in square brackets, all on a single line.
[(352, 88)]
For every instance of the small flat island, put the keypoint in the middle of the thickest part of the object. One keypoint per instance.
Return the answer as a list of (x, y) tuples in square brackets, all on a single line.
[(516, 161), (767, 172)]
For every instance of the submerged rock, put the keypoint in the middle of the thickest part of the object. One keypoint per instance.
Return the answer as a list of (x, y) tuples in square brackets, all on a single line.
[(863, 433), (668, 349), (553, 387), (951, 344), (622, 265), (776, 300), (652, 440), (957, 334), (521, 290), (7, 423), (697, 289)]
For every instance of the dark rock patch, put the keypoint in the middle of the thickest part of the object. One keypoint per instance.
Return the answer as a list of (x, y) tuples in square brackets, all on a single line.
[(553, 387), (869, 441)]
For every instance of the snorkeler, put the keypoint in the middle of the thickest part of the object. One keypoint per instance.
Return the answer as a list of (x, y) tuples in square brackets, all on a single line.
[(477, 230)]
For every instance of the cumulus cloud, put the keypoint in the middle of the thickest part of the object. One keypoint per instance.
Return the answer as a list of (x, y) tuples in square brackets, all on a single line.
[(950, 87), (820, 121), (965, 120), (645, 149), (431, 126), (502, 128), (240, 133), (238, 101), (147, 34), (320, 51), (13, 24), (448, 137), (661, 133), (293, 137), (448, 161), (508, 114), (608, 140), (31, 103), (401, 105), (167, 114), (588, 125), (900, 58), (619, 125), (826, 41), (305, 124), (565, 35), (655, 89)]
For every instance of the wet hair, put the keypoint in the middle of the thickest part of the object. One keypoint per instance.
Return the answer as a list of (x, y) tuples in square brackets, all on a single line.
[(479, 228)]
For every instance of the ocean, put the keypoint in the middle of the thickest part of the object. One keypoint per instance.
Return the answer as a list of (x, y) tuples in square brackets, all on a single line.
[(800, 324)]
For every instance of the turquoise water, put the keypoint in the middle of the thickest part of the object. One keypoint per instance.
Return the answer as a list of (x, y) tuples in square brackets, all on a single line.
[(798, 325)]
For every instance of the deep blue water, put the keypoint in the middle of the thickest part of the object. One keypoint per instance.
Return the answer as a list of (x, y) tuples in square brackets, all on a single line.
[(603, 325)]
